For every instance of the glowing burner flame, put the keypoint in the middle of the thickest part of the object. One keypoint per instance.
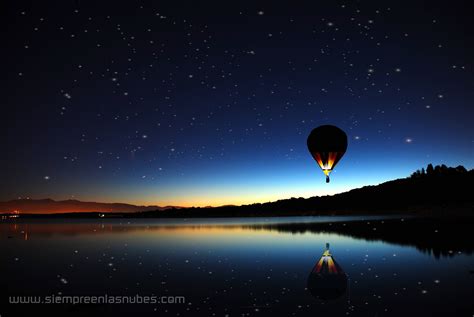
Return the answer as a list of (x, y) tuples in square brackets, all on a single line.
[(326, 161)]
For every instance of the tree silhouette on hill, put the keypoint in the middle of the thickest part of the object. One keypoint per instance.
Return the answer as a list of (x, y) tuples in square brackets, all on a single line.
[(430, 169), (438, 170)]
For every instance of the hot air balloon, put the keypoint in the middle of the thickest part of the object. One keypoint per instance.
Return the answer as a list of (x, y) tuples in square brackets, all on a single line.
[(327, 144), (327, 280)]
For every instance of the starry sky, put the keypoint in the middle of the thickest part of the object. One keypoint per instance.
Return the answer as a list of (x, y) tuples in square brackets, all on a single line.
[(187, 103)]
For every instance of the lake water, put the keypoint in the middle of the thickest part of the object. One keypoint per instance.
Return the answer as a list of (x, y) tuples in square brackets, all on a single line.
[(233, 267)]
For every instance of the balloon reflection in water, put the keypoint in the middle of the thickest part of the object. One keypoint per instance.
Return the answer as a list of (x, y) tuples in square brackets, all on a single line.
[(327, 280)]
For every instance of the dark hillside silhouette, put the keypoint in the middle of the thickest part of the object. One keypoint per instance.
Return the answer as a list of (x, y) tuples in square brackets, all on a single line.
[(437, 189)]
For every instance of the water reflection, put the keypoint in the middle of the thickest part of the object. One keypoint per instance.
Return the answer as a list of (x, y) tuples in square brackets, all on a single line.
[(241, 267), (440, 237), (444, 237), (327, 280)]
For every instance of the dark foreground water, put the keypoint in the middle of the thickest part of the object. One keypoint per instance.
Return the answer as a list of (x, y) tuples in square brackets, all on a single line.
[(238, 267)]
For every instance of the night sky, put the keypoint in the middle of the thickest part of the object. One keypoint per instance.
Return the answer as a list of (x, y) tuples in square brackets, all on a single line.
[(185, 104)]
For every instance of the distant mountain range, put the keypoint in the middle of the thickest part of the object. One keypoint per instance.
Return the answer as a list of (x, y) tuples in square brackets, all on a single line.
[(40, 206)]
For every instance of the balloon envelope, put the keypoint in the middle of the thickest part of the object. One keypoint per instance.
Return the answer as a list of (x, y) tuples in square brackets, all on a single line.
[(327, 144)]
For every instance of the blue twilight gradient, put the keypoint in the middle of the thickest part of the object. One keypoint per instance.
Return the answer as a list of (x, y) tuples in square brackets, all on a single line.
[(210, 105)]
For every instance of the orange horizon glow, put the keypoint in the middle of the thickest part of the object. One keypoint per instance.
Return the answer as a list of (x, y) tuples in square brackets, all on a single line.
[(203, 201), (193, 200)]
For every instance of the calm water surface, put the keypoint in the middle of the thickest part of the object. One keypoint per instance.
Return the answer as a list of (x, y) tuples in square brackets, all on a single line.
[(236, 267)]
